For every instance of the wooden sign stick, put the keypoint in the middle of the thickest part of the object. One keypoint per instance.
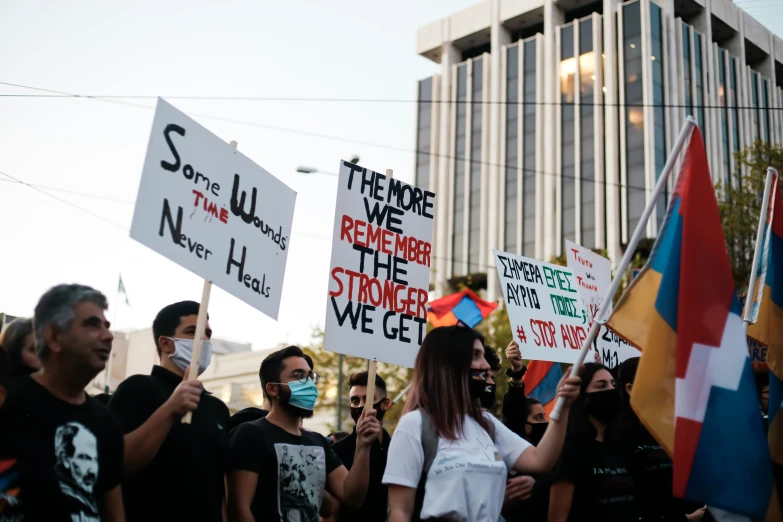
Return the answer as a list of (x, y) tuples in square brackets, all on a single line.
[(372, 369), (201, 327)]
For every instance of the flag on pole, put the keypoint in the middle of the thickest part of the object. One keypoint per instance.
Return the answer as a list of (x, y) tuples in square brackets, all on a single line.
[(121, 290), (694, 388), (541, 380), (465, 307)]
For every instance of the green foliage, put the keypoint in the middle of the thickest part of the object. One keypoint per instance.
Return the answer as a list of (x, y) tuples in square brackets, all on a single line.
[(739, 204)]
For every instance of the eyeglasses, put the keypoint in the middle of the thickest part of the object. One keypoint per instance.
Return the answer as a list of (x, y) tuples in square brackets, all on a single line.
[(302, 377)]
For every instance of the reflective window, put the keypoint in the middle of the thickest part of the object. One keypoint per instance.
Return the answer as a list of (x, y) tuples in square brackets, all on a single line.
[(423, 147), (512, 135), (686, 58), (587, 64), (458, 236), (568, 136), (659, 111), (765, 109), (474, 215), (529, 153), (754, 100), (699, 80), (733, 100), (634, 114), (724, 115)]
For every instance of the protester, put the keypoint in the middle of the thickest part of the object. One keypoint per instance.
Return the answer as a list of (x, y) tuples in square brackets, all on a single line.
[(375, 507), (474, 450), (177, 468), (19, 342), (337, 436), (592, 481), (488, 397), (648, 463), (280, 471), (515, 412), (762, 388), (68, 449)]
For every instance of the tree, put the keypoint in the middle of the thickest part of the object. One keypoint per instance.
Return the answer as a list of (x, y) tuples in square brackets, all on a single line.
[(739, 204)]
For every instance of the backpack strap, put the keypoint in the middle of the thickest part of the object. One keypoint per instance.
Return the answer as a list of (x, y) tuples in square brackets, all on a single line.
[(429, 445)]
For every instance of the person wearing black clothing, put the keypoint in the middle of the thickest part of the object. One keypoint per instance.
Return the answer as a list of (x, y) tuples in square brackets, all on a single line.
[(648, 463), (177, 468), (375, 505), (19, 342), (62, 449), (592, 481)]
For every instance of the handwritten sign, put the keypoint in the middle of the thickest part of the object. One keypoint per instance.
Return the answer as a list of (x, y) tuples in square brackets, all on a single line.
[(380, 270), (210, 209), (593, 278), (545, 310), (758, 351)]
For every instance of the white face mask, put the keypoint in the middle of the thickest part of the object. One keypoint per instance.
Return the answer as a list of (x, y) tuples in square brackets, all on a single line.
[(183, 352)]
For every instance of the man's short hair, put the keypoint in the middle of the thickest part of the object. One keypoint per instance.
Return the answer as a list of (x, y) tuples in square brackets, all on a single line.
[(492, 358), (57, 307), (168, 319), (360, 379), (273, 365), (309, 362)]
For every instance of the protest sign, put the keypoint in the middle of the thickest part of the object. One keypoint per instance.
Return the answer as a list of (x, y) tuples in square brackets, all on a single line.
[(593, 274), (545, 310), (210, 209), (758, 351), (380, 269)]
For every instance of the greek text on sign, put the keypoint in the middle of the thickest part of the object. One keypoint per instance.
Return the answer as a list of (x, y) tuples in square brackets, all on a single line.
[(209, 208), (593, 274), (380, 270), (545, 310)]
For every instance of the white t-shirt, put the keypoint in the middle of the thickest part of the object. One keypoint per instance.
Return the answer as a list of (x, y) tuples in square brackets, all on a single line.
[(467, 479)]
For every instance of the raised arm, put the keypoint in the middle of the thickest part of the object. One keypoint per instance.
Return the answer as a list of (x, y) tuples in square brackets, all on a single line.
[(350, 487)]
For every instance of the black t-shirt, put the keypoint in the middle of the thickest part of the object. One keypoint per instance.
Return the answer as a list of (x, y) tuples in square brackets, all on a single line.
[(603, 487), (375, 507), (291, 470), (185, 479), (57, 460)]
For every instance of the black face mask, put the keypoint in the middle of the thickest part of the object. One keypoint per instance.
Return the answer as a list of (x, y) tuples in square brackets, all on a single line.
[(603, 405), (488, 396), (536, 432), (357, 412), (476, 387)]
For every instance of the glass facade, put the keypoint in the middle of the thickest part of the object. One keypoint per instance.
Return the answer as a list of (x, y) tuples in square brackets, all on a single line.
[(512, 135), (724, 115), (754, 100), (529, 151), (764, 109), (567, 134), (733, 99), (659, 111), (634, 113), (423, 134), (698, 60), (686, 69), (587, 63), (458, 223), (474, 217)]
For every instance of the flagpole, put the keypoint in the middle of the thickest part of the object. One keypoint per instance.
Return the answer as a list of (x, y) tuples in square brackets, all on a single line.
[(750, 300), (630, 249)]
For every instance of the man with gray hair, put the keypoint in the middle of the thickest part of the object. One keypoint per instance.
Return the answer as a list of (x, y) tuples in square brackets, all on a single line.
[(69, 448)]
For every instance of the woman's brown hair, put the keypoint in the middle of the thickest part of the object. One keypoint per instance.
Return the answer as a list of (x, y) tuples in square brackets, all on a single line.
[(440, 380)]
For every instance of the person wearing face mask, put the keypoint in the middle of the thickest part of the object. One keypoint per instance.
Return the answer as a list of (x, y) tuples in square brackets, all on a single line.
[(592, 481), (489, 395), (280, 471), (19, 342), (375, 506), (177, 468)]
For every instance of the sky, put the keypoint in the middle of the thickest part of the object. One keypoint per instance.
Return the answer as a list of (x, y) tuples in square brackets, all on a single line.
[(306, 49)]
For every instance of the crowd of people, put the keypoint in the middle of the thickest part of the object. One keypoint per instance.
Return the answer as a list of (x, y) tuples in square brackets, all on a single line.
[(66, 456)]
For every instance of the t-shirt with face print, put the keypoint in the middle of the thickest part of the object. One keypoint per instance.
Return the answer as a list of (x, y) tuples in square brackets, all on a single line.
[(65, 457)]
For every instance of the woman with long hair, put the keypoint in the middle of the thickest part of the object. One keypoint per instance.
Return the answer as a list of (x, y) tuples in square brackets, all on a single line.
[(19, 343), (592, 480), (448, 459)]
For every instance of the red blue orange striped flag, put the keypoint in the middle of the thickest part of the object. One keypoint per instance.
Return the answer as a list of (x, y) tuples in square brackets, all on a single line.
[(541, 379), (465, 307)]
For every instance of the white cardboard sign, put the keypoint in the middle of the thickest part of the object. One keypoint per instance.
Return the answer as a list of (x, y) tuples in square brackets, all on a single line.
[(545, 310), (210, 209), (380, 269), (593, 278)]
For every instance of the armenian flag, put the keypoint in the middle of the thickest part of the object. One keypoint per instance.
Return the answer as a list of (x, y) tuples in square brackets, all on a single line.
[(694, 388), (464, 307), (541, 380), (768, 329)]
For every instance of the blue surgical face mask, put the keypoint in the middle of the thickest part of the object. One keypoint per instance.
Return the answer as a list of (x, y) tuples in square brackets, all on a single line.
[(183, 352), (303, 395)]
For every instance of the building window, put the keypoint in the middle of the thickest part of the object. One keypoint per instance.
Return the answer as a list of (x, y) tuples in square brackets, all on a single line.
[(587, 64), (634, 113), (512, 134), (724, 116), (568, 161), (735, 127), (458, 236), (474, 215), (686, 60), (754, 100), (659, 113), (423, 134), (765, 109), (699, 80), (529, 152)]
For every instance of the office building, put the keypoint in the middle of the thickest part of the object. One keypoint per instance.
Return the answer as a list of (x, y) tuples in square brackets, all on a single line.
[(553, 120)]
